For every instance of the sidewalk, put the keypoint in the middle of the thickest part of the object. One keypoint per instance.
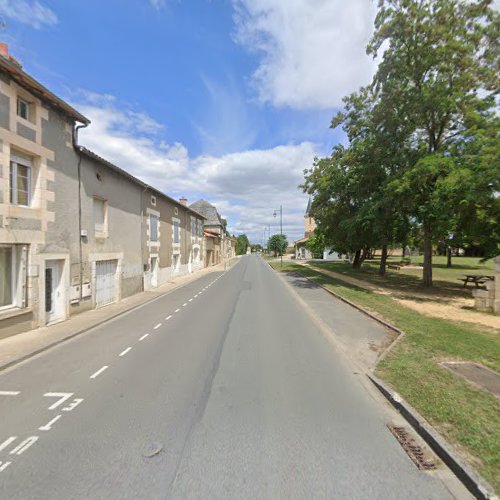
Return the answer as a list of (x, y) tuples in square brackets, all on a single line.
[(24, 345)]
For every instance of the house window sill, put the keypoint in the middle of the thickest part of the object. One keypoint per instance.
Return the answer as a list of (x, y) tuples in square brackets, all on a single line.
[(12, 312)]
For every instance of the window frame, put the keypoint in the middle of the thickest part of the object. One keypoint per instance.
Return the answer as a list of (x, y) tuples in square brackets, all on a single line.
[(15, 161), (13, 278), (157, 228), (176, 235), (21, 101), (104, 232)]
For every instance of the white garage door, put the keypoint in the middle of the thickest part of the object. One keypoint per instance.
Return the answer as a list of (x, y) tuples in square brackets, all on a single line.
[(105, 283)]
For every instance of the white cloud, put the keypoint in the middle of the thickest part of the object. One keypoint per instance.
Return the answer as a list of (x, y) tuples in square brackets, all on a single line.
[(246, 186), (157, 4), (311, 53), (32, 13)]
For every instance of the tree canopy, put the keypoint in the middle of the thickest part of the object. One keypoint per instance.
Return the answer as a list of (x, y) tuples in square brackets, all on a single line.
[(423, 138), (242, 244), (277, 243)]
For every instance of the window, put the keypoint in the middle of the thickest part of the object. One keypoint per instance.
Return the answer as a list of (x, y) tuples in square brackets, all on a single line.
[(20, 180), (100, 218), (193, 227), (153, 228), (23, 108), (177, 238), (7, 268), (153, 201), (200, 229)]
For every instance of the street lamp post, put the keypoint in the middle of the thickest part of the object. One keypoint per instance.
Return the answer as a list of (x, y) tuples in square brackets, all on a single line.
[(281, 230)]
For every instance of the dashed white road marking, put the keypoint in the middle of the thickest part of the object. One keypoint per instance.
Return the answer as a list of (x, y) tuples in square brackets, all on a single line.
[(9, 393), (98, 372), (196, 296), (4, 465), (144, 336), (22, 447), (168, 317), (63, 396), (48, 426), (157, 326), (190, 300), (177, 310), (185, 304), (125, 351), (7, 442)]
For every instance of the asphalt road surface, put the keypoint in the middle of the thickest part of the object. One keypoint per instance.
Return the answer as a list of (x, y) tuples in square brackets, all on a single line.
[(221, 389)]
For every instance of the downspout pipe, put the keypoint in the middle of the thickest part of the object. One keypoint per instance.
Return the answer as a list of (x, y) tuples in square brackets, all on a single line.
[(79, 170)]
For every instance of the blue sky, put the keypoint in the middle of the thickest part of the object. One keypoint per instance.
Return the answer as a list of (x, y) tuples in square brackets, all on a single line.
[(228, 100)]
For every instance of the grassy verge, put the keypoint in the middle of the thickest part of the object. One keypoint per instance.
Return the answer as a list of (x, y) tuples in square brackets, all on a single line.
[(446, 280), (467, 416)]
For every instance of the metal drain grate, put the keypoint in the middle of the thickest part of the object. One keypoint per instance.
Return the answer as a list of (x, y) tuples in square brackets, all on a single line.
[(413, 450)]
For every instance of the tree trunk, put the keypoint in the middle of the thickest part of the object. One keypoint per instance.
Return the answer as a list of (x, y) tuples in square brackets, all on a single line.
[(448, 256), (364, 255), (427, 274), (383, 260), (356, 263)]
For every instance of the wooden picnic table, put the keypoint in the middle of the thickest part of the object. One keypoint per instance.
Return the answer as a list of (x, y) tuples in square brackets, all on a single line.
[(477, 279)]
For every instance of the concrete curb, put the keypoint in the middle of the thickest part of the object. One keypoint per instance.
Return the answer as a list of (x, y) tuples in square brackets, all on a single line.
[(474, 483), (91, 327)]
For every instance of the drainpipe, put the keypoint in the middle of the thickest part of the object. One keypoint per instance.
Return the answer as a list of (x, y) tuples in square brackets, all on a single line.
[(80, 245), (142, 234)]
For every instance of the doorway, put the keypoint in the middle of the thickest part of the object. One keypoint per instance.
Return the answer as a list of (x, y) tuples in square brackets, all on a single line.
[(54, 291)]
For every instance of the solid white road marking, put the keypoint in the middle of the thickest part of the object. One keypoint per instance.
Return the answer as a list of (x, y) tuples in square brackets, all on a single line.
[(98, 372), (22, 447), (125, 351), (157, 326), (48, 426), (9, 393), (177, 310), (7, 442), (73, 405), (4, 465), (168, 317), (144, 336), (63, 396)]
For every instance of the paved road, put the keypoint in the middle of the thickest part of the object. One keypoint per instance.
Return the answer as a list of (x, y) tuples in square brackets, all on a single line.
[(222, 389)]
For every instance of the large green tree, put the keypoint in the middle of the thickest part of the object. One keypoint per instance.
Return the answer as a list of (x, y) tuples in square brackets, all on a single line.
[(242, 244), (438, 75), (277, 243)]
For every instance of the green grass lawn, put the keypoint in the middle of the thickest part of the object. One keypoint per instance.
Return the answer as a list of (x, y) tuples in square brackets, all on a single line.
[(446, 280), (467, 416)]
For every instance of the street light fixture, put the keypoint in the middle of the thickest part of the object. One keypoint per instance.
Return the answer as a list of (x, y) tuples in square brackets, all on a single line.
[(281, 229)]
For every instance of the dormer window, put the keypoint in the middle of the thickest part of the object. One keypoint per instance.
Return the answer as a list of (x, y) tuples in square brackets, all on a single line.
[(23, 108)]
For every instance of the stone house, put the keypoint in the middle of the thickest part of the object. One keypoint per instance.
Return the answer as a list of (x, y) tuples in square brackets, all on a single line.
[(214, 230), (38, 179), (76, 231)]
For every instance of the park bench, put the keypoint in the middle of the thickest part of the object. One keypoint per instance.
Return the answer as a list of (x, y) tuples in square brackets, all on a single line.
[(394, 266)]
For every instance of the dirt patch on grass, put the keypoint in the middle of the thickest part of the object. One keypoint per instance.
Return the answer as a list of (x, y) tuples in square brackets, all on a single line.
[(437, 305), (452, 311)]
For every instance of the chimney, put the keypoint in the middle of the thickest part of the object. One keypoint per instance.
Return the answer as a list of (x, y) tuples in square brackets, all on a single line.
[(184, 201), (4, 50)]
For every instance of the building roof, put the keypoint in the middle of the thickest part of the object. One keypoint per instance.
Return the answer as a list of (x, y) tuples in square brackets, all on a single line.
[(308, 209), (208, 211), (15, 71), (90, 154)]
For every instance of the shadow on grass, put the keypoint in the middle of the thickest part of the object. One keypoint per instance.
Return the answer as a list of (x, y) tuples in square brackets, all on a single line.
[(410, 285)]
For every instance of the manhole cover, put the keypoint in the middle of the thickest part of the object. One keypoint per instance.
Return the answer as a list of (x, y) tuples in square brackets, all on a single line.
[(477, 374), (152, 449), (414, 451)]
